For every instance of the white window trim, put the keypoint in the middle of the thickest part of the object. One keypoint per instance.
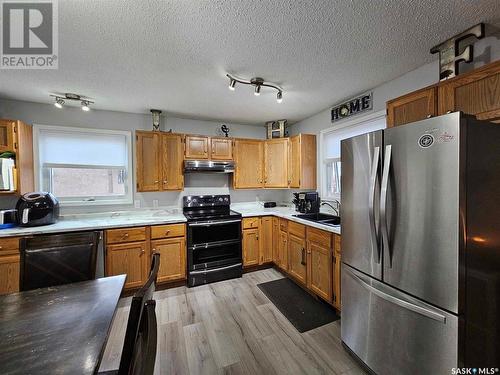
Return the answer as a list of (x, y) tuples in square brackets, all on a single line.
[(322, 151), (129, 197)]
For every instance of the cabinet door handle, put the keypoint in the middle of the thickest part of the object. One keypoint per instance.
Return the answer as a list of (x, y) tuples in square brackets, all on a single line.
[(125, 235), (142, 251), (167, 232), (156, 181), (165, 182), (429, 115)]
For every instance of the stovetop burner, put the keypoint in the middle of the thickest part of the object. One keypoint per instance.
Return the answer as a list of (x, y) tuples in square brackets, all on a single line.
[(208, 207)]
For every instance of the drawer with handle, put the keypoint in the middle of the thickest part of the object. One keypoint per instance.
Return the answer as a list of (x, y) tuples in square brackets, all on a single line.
[(9, 245), (168, 231), (251, 222), (126, 235)]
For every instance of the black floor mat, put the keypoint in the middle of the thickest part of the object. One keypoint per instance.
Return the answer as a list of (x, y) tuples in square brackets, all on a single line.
[(299, 307)]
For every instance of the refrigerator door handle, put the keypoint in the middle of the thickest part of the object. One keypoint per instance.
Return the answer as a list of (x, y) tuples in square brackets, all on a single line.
[(383, 202), (404, 304), (371, 200)]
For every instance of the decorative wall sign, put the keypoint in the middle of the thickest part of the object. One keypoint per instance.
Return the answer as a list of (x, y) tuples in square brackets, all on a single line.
[(352, 107), (449, 56)]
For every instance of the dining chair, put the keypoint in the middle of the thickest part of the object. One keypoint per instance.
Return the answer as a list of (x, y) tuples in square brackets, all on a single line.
[(144, 356), (137, 307), (56, 259)]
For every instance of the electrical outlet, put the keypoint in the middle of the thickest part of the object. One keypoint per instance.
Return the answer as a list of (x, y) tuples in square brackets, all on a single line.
[(137, 204), (155, 203)]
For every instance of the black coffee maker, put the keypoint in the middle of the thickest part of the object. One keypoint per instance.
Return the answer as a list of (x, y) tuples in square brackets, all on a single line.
[(306, 202)]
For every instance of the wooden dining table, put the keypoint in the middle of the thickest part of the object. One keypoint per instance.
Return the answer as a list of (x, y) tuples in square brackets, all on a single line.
[(58, 330)]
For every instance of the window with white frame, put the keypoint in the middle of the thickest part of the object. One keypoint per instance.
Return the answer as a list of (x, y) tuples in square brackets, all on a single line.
[(331, 171), (84, 166)]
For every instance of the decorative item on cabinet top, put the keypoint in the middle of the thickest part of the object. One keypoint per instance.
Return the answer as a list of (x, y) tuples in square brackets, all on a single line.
[(277, 129), (449, 59)]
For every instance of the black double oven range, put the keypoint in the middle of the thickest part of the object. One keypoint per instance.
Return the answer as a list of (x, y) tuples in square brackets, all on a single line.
[(213, 239)]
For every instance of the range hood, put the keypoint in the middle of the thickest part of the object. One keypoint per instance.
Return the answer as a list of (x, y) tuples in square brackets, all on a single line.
[(208, 166)]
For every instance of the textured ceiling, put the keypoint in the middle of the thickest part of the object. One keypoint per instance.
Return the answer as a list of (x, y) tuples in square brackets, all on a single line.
[(173, 55)]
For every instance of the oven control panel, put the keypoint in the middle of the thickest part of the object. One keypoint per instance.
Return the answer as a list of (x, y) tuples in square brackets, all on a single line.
[(206, 200)]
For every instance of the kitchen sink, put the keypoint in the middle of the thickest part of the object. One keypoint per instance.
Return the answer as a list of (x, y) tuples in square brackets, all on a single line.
[(321, 218)]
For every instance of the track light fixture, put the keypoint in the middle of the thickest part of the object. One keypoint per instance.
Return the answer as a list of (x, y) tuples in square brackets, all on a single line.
[(258, 83), (59, 103), (61, 98)]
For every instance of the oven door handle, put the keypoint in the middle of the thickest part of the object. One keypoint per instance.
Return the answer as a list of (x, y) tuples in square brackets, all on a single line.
[(215, 269), (209, 245), (210, 223)]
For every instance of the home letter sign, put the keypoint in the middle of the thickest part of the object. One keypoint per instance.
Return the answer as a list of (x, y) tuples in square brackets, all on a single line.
[(352, 107)]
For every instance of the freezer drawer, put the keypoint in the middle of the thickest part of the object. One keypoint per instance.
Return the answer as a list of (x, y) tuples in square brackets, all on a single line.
[(394, 333)]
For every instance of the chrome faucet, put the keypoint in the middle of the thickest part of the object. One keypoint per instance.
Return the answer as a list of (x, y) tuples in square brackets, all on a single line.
[(336, 209)]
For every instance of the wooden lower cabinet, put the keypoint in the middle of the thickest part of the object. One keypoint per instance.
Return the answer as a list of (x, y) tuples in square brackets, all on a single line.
[(337, 262), (297, 258), (319, 269), (251, 247), (266, 243), (9, 273), (283, 250), (130, 259), (172, 258), (276, 239), (337, 265)]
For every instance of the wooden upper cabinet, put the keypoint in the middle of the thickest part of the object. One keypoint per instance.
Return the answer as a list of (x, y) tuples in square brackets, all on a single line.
[(148, 161), (159, 158), (171, 162), (266, 243), (476, 92), (251, 247), (302, 162), (221, 149), (249, 160), (196, 147), (17, 137), (412, 107), (276, 163), (7, 135)]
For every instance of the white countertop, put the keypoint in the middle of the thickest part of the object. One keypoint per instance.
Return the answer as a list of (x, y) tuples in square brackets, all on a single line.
[(120, 219), (257, 209), (100, 221)]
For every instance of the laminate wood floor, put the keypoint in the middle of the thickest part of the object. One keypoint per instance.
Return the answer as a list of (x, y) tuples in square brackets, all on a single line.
[(231, 327)]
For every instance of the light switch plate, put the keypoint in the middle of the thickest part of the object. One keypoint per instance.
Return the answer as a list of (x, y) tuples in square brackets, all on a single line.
[(137, 204), (155, 203)]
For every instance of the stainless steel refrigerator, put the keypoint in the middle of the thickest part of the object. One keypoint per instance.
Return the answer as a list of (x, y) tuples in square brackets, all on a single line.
[(421, 246)]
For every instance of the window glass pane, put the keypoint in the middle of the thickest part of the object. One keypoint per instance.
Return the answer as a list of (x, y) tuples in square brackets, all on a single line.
[(333, 174), (86, 182), (332, 140), (75, 147)]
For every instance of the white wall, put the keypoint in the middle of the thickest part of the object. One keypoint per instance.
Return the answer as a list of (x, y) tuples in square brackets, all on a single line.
[(486, 50), (195, 184)]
